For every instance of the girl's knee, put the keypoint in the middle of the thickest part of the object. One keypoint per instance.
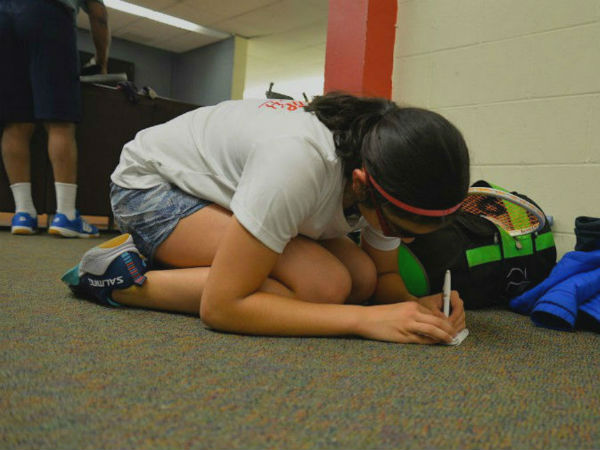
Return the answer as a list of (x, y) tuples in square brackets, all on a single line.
[(333, 286), (364, 282)]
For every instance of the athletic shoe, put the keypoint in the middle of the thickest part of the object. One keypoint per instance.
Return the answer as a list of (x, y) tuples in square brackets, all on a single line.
[(23, 223), (587, 233), (77, 227), (114, 264)]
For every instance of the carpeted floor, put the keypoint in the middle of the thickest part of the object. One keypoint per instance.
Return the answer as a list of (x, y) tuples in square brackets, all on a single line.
[(74, 375)]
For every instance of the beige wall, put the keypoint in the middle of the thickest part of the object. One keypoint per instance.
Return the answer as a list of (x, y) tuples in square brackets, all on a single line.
[(521, 79), (294, 60)]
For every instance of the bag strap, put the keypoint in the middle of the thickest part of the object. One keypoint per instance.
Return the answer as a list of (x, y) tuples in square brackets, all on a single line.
[(492, 253)]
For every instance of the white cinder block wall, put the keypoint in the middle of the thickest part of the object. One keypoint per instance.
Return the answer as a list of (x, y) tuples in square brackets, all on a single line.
[(521, 79)]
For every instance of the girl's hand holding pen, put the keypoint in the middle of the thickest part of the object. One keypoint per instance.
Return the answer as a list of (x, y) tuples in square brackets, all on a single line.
[(457, 316), (457, 312), (406, 322)]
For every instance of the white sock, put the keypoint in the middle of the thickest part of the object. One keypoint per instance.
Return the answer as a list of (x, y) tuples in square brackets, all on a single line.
[(23, 200), (66, 194)]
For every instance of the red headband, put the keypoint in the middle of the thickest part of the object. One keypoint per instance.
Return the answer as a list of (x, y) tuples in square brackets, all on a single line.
[(409, 208)]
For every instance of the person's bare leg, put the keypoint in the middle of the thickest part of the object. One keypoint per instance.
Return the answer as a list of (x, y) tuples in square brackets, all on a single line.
[(195, 239), (305, 267), (312, 272), (15, 151), (178, 290), (305, 270), (360, 266), (62, 150)]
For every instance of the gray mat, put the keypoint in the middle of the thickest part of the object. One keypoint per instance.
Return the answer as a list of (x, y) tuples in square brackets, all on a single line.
[(74, 375)]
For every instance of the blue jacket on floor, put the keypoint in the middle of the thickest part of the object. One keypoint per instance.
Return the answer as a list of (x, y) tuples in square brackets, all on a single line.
[(573, 286)]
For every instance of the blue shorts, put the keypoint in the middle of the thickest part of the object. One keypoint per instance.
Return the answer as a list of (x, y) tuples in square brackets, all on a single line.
[(39, 79), (150, 215)]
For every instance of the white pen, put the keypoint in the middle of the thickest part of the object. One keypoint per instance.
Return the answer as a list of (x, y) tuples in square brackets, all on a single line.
[(446, 293)]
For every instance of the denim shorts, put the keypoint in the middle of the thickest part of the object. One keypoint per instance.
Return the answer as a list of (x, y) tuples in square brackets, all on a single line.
[(150, 215)]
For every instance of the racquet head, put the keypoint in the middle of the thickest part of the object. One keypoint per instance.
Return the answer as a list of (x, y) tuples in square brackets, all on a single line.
[(514, 214)]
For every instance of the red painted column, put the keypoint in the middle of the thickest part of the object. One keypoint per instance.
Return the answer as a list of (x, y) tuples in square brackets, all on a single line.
[(360, 47)]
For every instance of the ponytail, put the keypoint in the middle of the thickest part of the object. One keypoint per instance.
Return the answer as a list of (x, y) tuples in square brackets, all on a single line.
[(415, 155), (350, 119)]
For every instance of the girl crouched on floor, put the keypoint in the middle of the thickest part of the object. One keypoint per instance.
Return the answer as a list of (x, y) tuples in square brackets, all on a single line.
[(240, 212)]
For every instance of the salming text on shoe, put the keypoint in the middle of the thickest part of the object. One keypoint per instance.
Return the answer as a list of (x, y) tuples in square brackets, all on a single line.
[(114, 264), (77, 227), (23, 223)]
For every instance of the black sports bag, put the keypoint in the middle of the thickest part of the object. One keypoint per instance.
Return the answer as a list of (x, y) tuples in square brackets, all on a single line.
[(489, 267)]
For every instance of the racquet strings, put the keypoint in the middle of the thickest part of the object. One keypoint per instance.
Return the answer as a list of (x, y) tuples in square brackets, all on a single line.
[(508, 215)]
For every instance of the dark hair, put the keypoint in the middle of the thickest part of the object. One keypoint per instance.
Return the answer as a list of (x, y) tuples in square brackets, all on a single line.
[(415, 155)]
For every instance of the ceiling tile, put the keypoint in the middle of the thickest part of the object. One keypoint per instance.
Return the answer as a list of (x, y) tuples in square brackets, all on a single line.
[(148, 32), (281, 26), (223, 9), (190, 11), (157, 5), (186, 41), (284, 15), (116, 20), (289, 41)]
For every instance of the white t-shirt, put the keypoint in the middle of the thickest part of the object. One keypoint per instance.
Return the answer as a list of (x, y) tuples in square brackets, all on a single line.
[(269, 162)]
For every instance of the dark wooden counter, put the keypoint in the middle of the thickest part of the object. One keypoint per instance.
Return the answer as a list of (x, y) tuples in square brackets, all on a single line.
[(109, 121)]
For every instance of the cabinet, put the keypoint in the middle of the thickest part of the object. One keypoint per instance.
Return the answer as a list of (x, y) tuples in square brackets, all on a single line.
[(109, 121)]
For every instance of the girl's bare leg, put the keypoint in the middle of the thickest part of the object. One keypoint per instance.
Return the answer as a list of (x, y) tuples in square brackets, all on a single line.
[(360, 266), (305, 270), (178, 290)]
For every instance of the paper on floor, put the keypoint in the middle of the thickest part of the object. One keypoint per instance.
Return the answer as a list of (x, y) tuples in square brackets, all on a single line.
[(459, 337)]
